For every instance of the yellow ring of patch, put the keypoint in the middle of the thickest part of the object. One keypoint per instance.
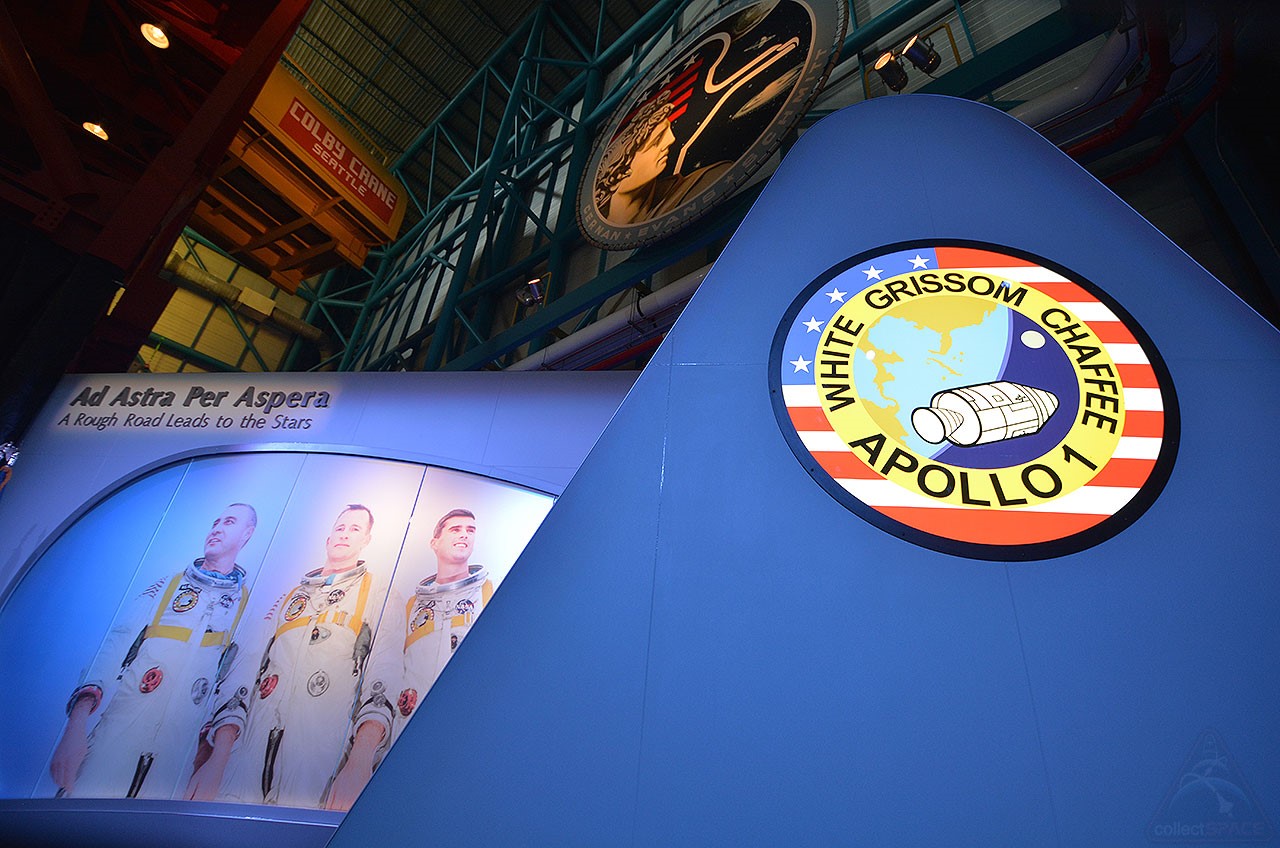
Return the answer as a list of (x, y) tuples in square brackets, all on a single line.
[(1087, 447)]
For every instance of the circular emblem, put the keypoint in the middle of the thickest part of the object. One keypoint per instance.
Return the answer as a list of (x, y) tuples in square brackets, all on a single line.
[(199, 690), (151, 680), (407, 701), (186, 598), (422, 615), (975, 401), (706, 116), (295, 607), (336, 595), (317, 684), (267, 685)]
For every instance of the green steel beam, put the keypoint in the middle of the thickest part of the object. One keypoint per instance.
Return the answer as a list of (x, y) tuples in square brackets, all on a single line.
[(625, 274), (244, 336), (496, 185), (354, 345), (204, 360), (494, 285), (489, 287), (656, 20), (650, 27), (596, 111), (439, 340), (567, 233), (665, 14)]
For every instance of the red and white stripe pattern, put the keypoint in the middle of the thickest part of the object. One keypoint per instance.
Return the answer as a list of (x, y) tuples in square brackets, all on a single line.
[(679, 85), (1114, 485)]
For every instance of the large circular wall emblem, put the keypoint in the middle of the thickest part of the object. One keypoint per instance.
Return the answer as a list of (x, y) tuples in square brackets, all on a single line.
[(975, 401), (706, 116)]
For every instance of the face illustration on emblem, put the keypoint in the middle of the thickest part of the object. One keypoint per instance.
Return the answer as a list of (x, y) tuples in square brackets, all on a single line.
[(705, 117)]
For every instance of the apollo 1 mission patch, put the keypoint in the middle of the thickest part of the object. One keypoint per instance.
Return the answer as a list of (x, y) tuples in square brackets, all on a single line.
[(975, 400)]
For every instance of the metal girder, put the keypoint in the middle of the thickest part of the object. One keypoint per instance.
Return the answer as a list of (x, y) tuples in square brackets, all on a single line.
[(189, 353), (567, 226), (468, 236), (493, 201), (640, 265)]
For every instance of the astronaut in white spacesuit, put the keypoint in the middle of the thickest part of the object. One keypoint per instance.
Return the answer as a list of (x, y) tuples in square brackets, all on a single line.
[(152, 678), (427, 628), (285, 707)]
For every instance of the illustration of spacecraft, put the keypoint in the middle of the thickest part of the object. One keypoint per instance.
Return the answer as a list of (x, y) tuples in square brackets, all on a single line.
[(984, 413)]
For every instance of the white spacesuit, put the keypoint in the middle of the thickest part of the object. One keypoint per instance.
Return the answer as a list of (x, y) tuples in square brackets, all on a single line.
[(432, 623), (293, 708), (152, 680)]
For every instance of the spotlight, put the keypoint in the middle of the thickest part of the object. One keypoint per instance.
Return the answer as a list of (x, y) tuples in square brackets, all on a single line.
[(155, 35), (890, 70), (95, 129), (531, 293), (921, 54)]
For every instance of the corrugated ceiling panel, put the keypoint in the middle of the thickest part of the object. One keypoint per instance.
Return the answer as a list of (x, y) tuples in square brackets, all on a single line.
[(1066, 67), (992, 21), (391, 66)]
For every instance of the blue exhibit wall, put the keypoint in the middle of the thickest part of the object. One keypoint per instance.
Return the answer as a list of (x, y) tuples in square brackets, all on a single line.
[(702, 646)]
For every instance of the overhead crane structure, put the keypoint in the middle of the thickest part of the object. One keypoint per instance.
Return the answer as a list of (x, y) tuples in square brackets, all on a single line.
[(442, 296)]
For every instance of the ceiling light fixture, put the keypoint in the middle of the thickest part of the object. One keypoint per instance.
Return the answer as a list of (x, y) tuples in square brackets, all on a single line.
[(919, 51), (95, 129), (890, 70), (532, 293), (155, 35)]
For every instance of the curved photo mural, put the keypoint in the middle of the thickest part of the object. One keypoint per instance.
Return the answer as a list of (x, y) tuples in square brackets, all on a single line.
[(254, 628)]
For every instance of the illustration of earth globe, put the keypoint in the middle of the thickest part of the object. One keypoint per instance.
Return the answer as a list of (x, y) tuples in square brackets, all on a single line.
[(920, 348)]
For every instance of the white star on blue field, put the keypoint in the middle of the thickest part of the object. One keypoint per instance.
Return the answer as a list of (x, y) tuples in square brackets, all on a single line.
[(810, 322)]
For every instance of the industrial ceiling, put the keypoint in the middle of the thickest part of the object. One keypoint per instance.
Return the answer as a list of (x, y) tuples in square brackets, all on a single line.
[(389, 67), (425, 88)]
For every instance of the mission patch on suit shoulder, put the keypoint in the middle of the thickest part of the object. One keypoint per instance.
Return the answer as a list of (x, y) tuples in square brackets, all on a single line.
[(422, 615), (188, 596), (974, 400), (295, 606)]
